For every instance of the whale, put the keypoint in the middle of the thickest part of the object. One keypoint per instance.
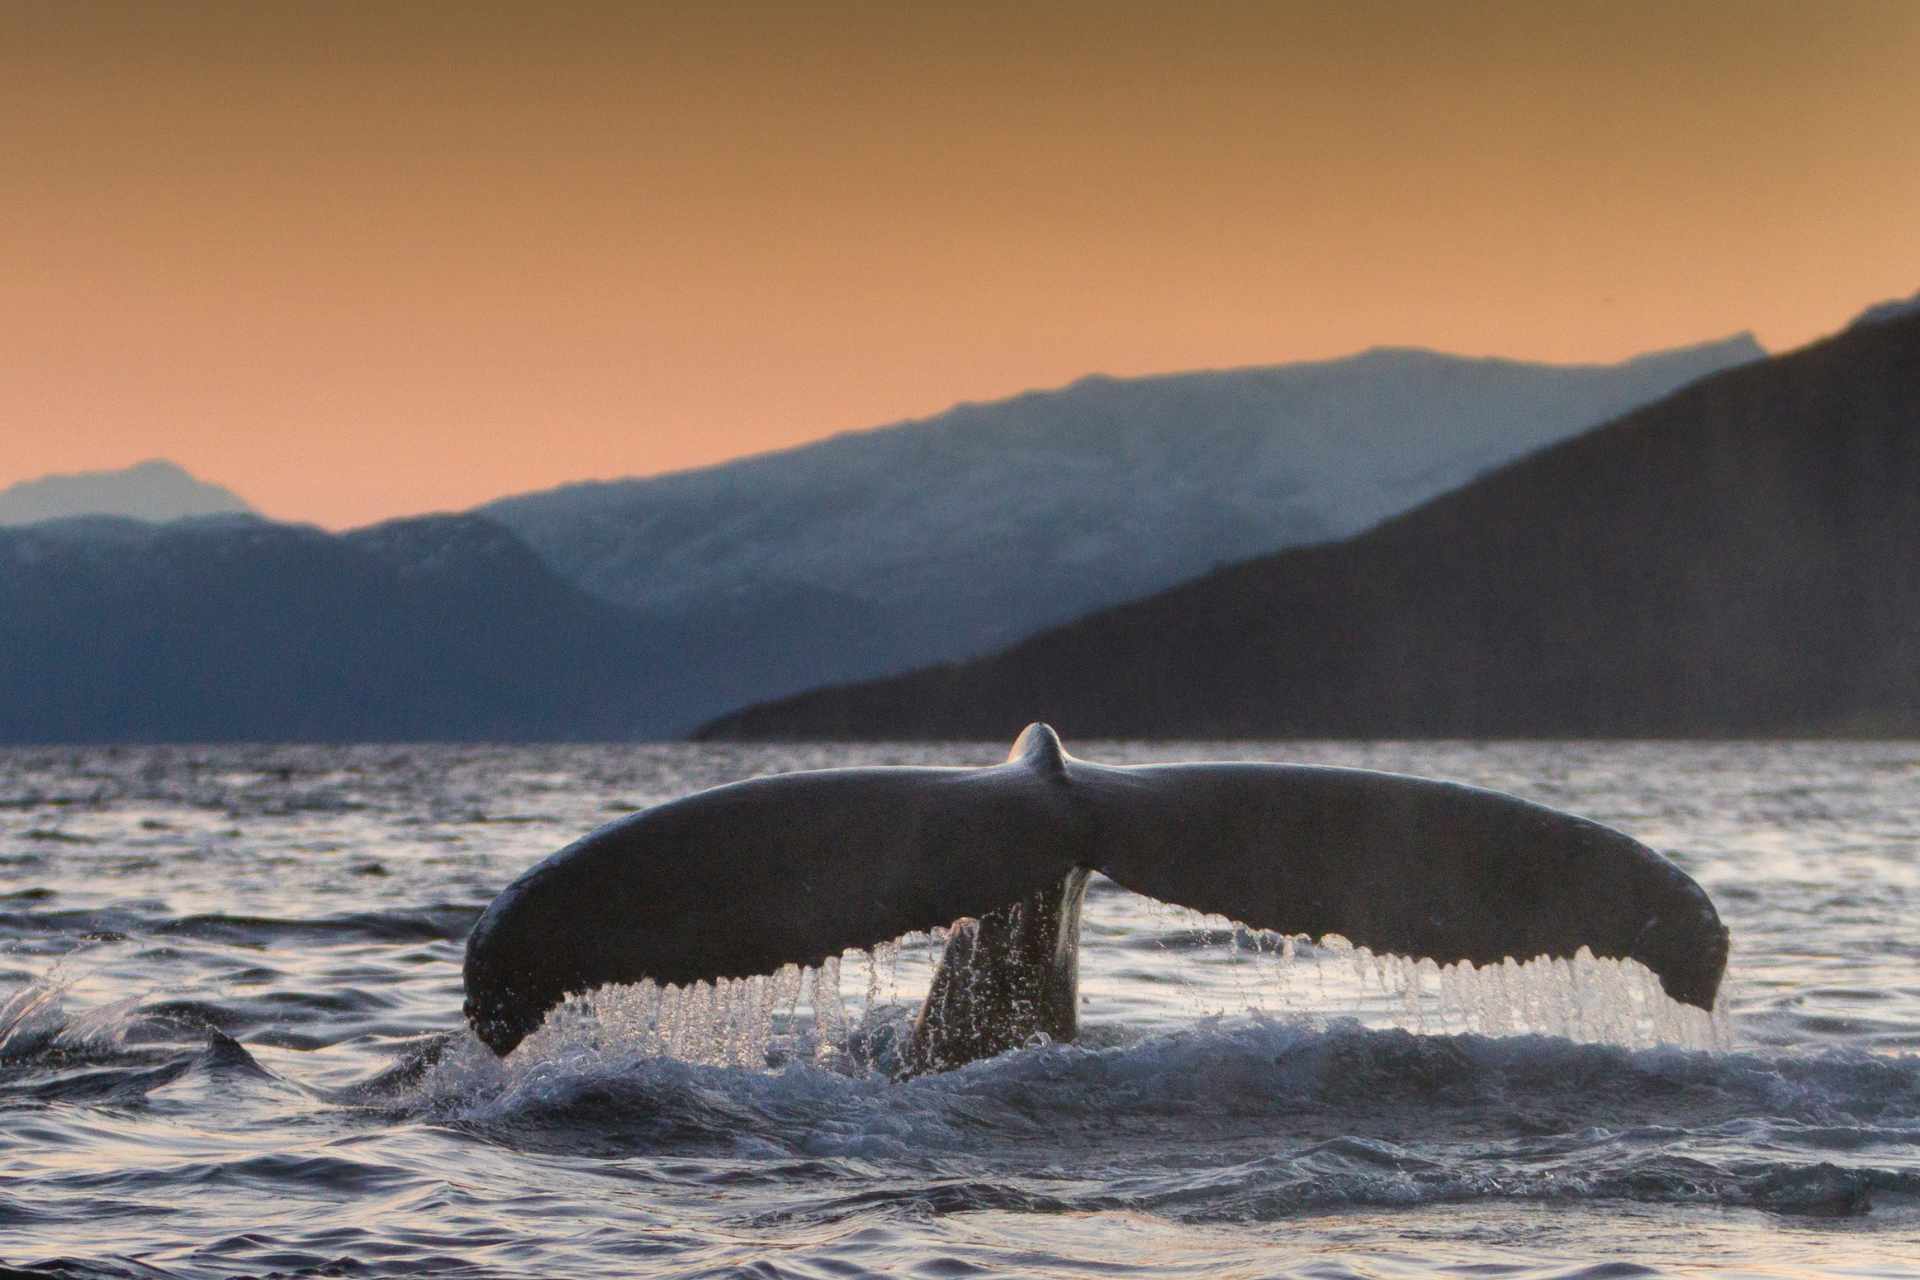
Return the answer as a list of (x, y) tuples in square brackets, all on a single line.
[(794, 869)]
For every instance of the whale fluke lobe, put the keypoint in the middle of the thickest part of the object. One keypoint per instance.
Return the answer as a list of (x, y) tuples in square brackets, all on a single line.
[(1402, 865), (742, 879), (795, 868)]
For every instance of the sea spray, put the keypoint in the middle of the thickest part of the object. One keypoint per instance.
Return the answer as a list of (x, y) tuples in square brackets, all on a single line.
[(35, 1018)]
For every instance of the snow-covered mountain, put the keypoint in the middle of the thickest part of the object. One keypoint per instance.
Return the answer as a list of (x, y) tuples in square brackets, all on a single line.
[(1736, 560), (156, 490), (953, 535)]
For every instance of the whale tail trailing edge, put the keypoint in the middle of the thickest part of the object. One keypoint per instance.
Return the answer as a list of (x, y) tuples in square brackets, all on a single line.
[(791, 869), (1404, 866)]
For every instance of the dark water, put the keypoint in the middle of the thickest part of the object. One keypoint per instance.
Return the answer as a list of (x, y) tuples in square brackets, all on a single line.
[(230, 1045)]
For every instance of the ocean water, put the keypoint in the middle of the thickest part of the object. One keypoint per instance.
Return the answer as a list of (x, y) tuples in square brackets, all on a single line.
[(230, 1044)]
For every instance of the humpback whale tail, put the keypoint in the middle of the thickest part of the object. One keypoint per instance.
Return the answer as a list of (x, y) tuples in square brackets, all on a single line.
[(795, 868)]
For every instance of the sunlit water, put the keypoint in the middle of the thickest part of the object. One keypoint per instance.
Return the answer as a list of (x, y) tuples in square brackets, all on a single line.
[(221, 969)]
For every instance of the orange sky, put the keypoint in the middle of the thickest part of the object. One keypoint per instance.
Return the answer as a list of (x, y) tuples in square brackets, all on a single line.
[(359, 261)]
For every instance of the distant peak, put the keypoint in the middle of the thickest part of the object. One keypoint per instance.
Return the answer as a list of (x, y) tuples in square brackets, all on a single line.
[(1882, 312), (155, 490), (146, 468), (1737, 348), (1744, 340)]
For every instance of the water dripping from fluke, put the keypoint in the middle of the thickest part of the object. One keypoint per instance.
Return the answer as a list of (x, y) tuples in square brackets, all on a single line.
[(853, 1014)]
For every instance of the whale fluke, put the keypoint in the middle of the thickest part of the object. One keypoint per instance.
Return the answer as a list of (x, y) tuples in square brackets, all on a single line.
[(793, 869)]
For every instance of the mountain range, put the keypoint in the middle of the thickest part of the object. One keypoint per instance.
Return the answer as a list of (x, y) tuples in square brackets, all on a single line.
[(1731, 558), (641, 609), (880, 550), (1741, 558)]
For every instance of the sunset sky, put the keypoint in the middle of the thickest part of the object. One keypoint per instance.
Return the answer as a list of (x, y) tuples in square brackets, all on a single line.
[(357, 261)]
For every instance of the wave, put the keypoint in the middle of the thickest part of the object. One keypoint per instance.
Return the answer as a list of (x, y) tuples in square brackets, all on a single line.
[(1363, 1117), (1227, 1120), (437, 922)]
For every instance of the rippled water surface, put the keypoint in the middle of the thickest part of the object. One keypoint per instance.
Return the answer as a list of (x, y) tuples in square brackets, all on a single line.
[(230, 1044)]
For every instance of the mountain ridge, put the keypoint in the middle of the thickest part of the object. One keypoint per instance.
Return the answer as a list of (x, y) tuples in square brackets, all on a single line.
[(209, 631), (1774, 500), (1740, 346), (1891, 309), (455, 627), (959, 533)]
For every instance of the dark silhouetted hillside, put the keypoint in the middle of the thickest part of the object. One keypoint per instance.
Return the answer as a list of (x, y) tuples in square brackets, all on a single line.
[(1742, 558)]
